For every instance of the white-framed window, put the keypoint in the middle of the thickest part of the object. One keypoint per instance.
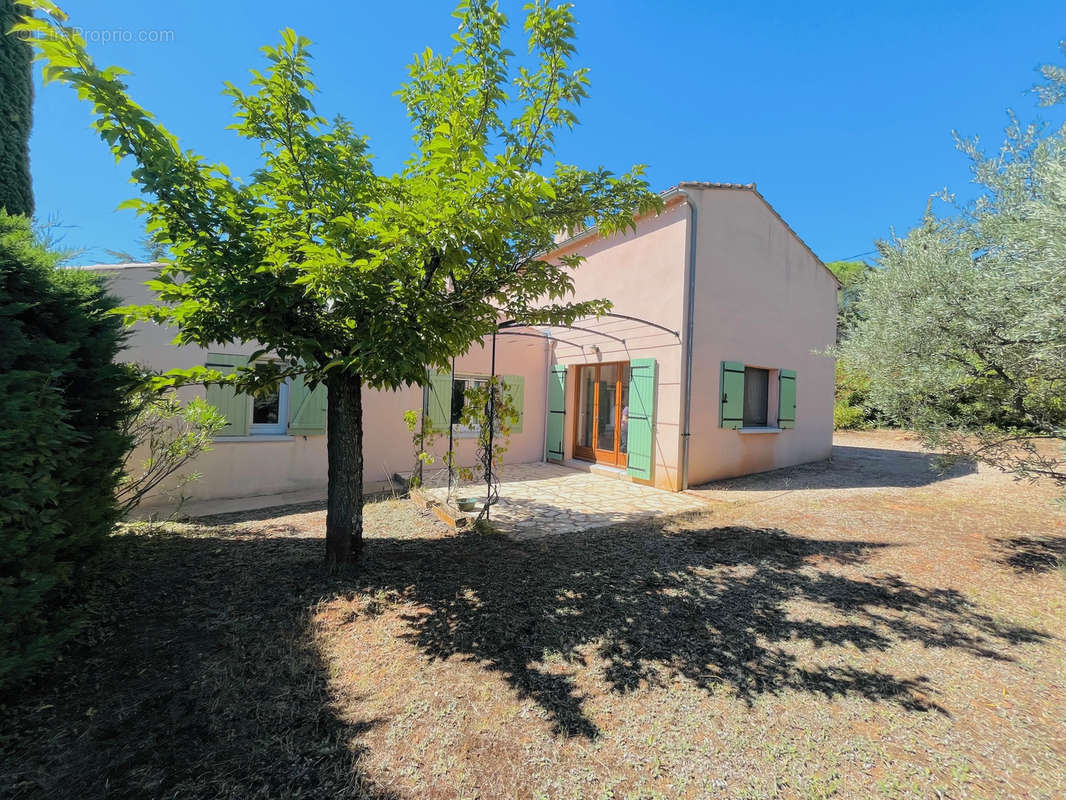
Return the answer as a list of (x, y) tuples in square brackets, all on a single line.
[(460, 383), (270, 412), (293, 409)]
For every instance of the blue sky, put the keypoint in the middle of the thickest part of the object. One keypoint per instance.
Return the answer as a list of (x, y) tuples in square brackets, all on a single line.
[(841, 112)]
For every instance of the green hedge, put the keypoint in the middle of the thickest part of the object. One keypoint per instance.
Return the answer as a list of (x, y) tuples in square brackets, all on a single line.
[(850, 409), (62, 403), (16, 89)]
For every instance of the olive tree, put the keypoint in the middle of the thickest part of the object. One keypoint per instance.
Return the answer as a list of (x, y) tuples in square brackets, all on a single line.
[(351, 278), (963, 326)]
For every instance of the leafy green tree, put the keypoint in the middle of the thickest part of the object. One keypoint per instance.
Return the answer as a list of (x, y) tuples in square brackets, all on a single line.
[(850, 274), (16, 115), (1053, 89), (850, 409), (963, 332), (149, 252), (351, 278), (62, 410)]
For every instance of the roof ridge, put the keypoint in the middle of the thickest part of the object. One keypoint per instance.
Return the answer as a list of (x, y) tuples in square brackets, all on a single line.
[(118, 265), (717, 185)]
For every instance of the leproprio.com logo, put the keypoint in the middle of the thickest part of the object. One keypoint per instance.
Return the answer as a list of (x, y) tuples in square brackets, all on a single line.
[(113, 35)]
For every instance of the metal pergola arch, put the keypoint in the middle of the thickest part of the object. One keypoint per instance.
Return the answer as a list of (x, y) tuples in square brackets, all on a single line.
[(511, 323), (505, 329)]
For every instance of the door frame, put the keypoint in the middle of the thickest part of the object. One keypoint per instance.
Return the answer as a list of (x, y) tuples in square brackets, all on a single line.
[(594, 454)]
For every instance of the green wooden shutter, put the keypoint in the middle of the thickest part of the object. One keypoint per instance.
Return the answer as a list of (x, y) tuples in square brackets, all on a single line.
[(515, 386), (786, 407), (641, 417), (556, 423), (731, 405), (233, 406), (439, 400), (307, 408)]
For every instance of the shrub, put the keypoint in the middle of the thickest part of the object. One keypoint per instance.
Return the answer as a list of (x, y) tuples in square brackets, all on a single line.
[(850, 408), (847, 417), (166, 435), (62, 406)]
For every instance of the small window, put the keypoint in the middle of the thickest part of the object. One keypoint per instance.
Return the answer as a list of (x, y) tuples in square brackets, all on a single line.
[(269, 411), (459, 387), (756, 396)]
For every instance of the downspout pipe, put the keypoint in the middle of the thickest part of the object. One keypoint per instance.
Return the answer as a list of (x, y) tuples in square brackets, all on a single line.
[(548, 345), (689, 327)]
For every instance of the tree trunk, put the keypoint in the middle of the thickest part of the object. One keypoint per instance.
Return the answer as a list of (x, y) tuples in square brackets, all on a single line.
[(344, 449)]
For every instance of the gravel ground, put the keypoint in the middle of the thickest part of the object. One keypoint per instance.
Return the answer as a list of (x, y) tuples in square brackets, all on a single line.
[(863, 628)]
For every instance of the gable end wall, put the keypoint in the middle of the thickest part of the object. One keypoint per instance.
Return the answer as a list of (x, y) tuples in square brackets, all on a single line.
[(763, 299)]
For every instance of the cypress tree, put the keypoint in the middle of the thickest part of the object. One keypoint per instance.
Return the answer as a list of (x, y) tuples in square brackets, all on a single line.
[(16, 115), (62, 412)]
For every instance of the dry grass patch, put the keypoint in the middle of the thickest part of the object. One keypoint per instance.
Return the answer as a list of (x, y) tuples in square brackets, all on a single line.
[(891, 641)]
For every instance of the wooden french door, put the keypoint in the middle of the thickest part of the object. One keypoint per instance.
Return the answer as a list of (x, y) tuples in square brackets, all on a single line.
[(601, 429)]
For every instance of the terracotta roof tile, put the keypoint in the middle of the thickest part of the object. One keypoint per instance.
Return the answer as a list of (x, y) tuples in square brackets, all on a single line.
[(714, 185)]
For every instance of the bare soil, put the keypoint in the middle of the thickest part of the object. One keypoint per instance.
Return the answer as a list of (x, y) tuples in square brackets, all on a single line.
[(860, 628)]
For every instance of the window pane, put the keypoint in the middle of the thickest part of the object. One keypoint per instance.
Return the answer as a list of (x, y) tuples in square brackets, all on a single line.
[(586, 398), (458, 399), (265, 409), (756, 396), (623, 433), (608, 407)]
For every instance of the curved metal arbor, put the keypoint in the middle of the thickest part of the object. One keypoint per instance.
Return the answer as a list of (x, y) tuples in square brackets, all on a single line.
[(508, 328)]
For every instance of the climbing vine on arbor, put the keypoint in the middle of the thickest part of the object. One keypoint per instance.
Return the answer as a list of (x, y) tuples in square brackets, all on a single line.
[(492, 442)]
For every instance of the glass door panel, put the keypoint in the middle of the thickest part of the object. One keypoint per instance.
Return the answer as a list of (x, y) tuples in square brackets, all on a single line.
[(601, 427), (607, 412), (586, 407)]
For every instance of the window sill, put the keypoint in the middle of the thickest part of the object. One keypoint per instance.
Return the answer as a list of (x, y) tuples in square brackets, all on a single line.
[(470, 433), (255, 437), (763, 429)]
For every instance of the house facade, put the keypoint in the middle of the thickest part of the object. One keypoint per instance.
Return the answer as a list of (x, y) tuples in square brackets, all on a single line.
[(709, 365)]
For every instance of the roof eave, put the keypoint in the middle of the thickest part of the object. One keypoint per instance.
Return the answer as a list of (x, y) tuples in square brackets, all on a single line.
[(667, 195)]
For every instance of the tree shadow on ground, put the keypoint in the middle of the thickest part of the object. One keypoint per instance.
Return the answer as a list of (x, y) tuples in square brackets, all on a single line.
[(854, 467), (198, 678), (201, 676), (657, 600), (1033, 553)]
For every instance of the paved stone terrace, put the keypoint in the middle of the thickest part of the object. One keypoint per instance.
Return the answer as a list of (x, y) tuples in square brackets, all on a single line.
[(545, 499)]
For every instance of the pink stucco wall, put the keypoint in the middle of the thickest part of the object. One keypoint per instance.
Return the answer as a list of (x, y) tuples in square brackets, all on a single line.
[(763, 299), (258, 465), (642, 273), (515, 355), (760, 297)]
